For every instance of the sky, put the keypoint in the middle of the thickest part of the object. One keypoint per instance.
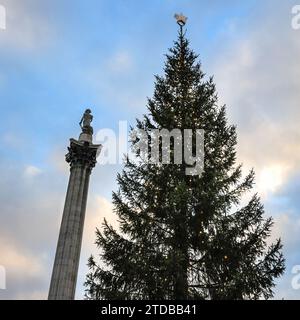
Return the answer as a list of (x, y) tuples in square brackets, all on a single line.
[(59, 57)]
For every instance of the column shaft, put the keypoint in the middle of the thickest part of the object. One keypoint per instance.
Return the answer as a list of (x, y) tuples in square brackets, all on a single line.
[(63, 281)]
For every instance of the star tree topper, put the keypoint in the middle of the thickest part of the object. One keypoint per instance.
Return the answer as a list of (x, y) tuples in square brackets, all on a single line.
[(181, 19)]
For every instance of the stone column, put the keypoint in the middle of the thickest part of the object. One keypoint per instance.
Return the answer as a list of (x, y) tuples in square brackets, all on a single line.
[(82, 158)]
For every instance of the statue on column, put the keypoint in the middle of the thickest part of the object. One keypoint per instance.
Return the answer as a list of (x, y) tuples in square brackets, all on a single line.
[(85, 122)]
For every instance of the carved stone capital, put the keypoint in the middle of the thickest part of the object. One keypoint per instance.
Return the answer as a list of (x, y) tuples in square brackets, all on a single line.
[(82, 153)]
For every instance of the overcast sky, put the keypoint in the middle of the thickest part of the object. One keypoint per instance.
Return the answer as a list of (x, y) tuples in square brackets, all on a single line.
[(59, 57)]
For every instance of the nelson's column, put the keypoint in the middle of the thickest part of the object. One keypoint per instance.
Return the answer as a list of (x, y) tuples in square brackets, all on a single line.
[(82, 158)]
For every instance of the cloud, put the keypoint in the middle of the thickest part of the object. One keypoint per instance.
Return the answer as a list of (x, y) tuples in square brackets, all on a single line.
[(58, 161), (24, 270), (27, 26), (15, 259), (258, 77), (32, 171), (271, 178), (98, 209), (260, 85), (287, 227), (31, 207)]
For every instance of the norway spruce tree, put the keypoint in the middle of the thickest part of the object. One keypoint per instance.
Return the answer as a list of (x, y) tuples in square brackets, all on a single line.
[(186, 236)]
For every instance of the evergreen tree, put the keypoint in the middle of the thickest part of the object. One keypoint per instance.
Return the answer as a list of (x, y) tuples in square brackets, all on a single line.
[(181, 236)]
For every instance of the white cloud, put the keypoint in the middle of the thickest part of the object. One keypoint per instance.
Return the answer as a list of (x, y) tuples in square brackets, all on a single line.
[(287, 227), (32, 171), (29, 223), (27, 26), (270, 178), (19, 260), (58, 161), (258, 78), (98, 209), (23, 270)]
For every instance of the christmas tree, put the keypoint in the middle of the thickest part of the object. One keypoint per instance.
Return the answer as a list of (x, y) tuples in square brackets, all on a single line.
[(186, 236)]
